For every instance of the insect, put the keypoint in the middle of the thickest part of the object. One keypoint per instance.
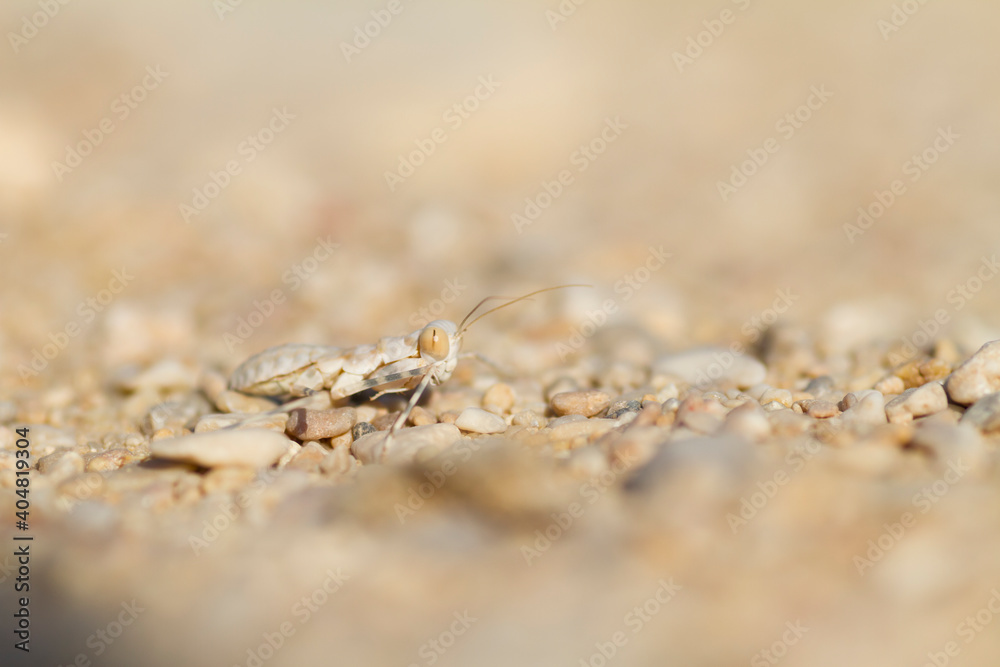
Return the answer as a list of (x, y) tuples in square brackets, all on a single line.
[(425, 357)]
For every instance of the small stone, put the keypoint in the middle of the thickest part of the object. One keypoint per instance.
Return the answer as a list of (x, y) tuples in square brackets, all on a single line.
[(234, 401), (166, 374), (984, 413), (820, 385), (112, 459), (405, 444), (317, 424), (561, 386), (174, 414), (619, 408), (933, 370), (499, 398), (701, 415), (361, 429), (977, 377), (782, 396), (586, 403), (890, 384), (578, 428), (704, 366), (478, 420), (916, 402), (386, 421), (868, 409), (528, 418), (308, 458), (61, 464), (253, 448), (238, 421), (820, 409), (421, 417), (748, 420)]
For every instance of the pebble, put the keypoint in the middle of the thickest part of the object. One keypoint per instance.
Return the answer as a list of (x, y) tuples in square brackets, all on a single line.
[(977, 377), (890, 384), (234, 401), (405, 444), (528, 418), (478, 420), (868, 409), (253, 448), (215, 422), (984, 413), (586, 403), (385, 422), (748, 420), (560, 386), (916, 402), (61, 464), (420, 416), (175, 414), (166, 374), (112, 459), (700, 414), (710, 365), (618, 409), (578, 428), (820, 385), (361, 429), (782, 396), (499, 398), (820, 409), (306, 424), (308, 458)]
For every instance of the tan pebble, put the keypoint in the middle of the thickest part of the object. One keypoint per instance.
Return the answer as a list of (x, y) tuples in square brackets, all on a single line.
[(890, 384), (909, 373), (421, 417), (238, 421), (934, 369), (113, 459), (405, 444), (165, 433), (748, 420), (234, 401), (977, 377), (586, 403), (781, 396), (366, 413), (820, 409), (916, 402), (449, 416), (338, 461), (308, 458), (946, 352), (61, 464), (385, 422), (316, 424), (580, 428), (344, 440), (477, 420), (499, 398), (528, 418), (212, 384), (561, 386), (254, 448)]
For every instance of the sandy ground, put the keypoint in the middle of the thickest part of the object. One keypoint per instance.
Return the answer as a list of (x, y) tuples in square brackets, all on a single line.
[(185, 184)]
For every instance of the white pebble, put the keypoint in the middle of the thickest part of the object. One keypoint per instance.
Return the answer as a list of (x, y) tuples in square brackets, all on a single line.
[(255, 448), (478, 420)]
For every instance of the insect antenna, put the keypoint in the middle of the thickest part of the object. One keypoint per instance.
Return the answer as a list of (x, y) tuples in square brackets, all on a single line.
[(463, 326)]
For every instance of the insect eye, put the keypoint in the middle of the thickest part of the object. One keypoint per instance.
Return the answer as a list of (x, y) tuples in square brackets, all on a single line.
[(434, 343)]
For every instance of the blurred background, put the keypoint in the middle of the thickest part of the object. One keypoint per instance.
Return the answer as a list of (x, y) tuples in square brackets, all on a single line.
[(201, 180)]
